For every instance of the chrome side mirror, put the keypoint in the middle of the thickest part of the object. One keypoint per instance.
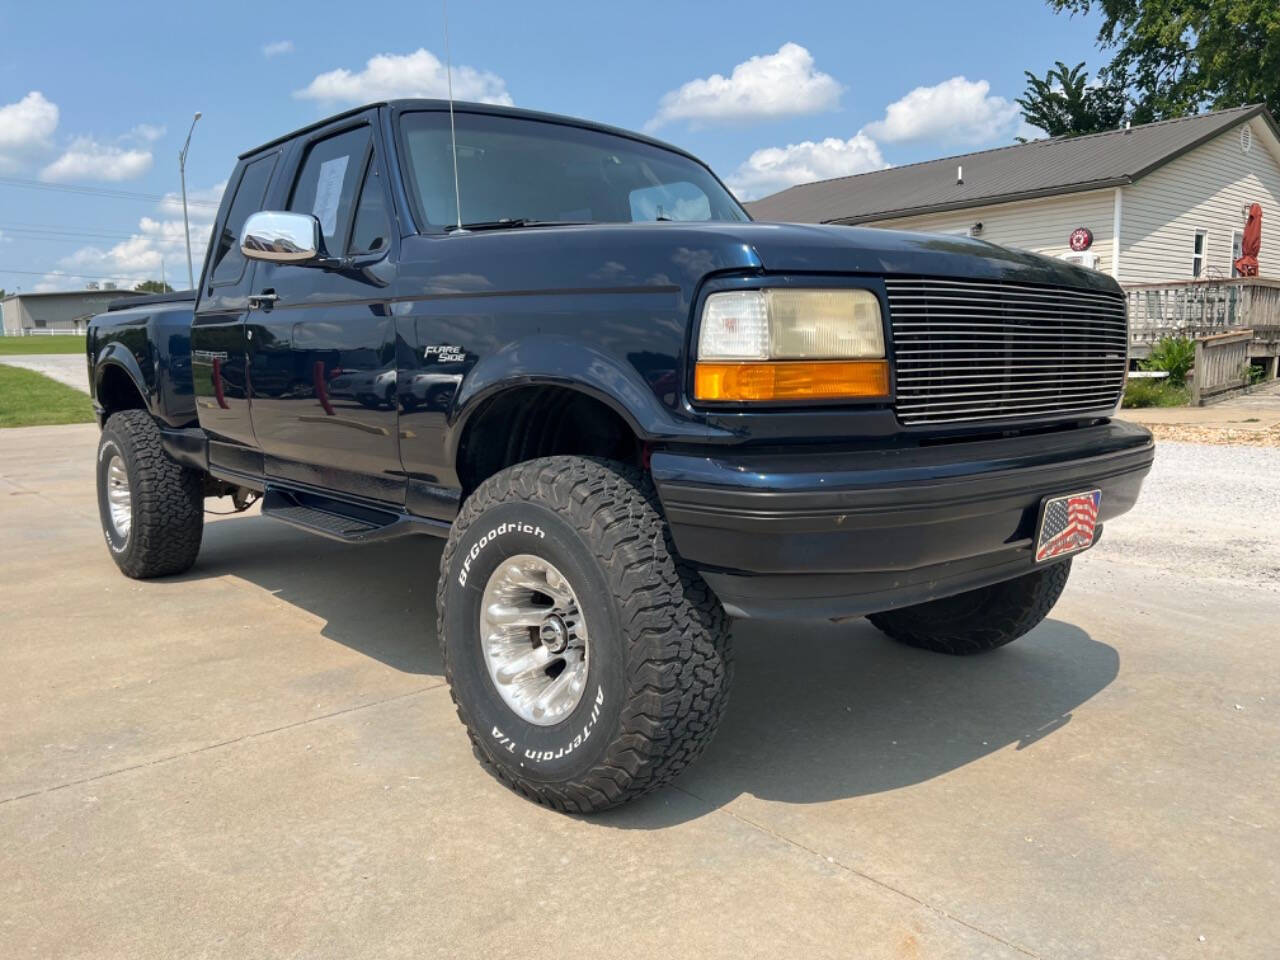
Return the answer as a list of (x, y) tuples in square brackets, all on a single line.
[(279, 237)]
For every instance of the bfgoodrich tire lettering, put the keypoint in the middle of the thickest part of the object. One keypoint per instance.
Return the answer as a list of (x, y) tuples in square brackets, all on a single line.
[(979, 620), (166, 500), (659, 666)]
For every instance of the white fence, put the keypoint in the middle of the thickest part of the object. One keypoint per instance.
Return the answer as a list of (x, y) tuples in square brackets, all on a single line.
[(50, 332)]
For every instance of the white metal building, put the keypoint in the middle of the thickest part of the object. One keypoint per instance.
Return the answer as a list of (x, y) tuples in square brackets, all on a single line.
[(59, 310)]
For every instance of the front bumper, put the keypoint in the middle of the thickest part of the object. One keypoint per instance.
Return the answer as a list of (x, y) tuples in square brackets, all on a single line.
[(834, 534)]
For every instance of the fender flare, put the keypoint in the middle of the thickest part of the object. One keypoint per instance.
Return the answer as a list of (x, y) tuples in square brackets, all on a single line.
[(117, 355), (553, 360)]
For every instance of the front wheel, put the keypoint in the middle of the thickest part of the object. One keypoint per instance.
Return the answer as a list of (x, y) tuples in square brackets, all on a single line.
[(587, 662), (979, 620), (151, 507)]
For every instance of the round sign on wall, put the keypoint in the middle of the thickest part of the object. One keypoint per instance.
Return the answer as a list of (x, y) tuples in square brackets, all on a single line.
[(1081, 239)]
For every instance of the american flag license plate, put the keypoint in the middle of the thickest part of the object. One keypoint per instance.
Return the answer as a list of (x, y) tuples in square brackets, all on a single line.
[(1067, 524)]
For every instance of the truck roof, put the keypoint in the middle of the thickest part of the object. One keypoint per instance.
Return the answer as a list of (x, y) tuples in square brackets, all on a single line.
[(463, 106)]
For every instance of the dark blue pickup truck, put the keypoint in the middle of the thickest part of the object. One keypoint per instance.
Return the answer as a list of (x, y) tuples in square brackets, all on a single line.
[(631, 412)]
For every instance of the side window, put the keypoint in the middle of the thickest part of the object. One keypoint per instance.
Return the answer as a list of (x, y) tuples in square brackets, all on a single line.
[(228, 261), (327, 183), (372, 230)]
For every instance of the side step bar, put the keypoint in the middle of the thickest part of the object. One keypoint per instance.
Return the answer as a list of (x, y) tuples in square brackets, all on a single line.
[(341, 519)]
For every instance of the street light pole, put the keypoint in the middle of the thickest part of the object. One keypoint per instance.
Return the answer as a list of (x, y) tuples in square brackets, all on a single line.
[(182, 174)]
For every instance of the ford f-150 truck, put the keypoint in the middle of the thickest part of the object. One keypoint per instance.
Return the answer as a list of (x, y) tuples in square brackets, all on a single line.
[(631, 412)]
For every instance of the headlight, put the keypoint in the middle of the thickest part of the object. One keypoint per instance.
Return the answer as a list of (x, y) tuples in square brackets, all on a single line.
[(788, 344)]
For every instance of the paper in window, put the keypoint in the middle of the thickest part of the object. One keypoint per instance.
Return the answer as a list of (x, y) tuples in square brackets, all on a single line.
[(328, 193)]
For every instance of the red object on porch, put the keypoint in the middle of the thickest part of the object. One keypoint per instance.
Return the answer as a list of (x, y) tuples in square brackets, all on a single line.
[(1247, 265)]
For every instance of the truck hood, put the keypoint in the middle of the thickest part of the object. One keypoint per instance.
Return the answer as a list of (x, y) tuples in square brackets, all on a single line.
[(682, 254), (822, 248)]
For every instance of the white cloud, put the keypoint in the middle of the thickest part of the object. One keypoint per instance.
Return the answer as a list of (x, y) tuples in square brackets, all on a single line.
[(277, 48), (418, 74), (776, 168), (146, 132), (956, 111), (26, 127), (775, 85), (87, 159), (156, 248), (202, 202), (1026, 131)]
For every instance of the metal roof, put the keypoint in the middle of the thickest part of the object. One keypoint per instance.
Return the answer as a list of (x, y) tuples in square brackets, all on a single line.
[(1041, 168)]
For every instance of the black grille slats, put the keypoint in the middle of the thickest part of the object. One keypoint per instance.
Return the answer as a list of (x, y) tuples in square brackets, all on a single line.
[(978, 350)]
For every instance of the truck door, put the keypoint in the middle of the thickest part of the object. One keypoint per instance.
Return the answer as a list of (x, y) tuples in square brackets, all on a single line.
[(322, 341), (218, 355)]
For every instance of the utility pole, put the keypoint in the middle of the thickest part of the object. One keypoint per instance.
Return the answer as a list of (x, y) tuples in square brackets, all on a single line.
[(182, 173)]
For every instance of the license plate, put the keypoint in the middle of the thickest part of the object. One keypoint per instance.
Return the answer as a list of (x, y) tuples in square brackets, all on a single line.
[(1067, 524)]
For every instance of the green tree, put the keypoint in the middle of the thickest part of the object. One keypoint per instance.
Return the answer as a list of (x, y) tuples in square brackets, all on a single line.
[(1063, 103), (153, 286), (1175, 57)]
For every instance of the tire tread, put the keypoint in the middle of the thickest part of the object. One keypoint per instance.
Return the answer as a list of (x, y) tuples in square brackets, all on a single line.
[(1002, 613), (678, 656), (168, 500)]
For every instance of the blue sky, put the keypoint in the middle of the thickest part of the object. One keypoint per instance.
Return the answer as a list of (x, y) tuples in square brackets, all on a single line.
[(95, 98)]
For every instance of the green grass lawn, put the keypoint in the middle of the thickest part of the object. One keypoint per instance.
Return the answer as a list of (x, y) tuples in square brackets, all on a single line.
[(23, 346), (29, 399)]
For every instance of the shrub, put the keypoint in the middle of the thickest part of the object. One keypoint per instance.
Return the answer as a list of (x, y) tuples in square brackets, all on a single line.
[(1155, 393), (1175, 356)]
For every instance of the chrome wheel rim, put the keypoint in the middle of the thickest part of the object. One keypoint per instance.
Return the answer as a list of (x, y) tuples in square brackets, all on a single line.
[(534, 639), (119, 501)]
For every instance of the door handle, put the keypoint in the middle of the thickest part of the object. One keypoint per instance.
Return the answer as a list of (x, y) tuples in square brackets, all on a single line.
[(264, 299)]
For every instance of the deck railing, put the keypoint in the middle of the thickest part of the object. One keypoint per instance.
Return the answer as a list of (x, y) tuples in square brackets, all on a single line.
[(1197, 308), (1222, 364)]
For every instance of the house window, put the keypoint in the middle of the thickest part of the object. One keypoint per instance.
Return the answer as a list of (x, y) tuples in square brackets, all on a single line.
[(1197, 254), (1237, 250)]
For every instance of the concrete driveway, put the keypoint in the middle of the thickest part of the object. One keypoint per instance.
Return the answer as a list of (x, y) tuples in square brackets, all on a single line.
[(68, 368), (259, 759)]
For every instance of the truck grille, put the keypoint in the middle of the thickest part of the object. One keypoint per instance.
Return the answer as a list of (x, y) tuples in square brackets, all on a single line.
[(970, 350)]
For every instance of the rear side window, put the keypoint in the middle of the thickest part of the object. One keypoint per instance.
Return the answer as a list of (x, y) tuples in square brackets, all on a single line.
[(327, 183), (228, 261)]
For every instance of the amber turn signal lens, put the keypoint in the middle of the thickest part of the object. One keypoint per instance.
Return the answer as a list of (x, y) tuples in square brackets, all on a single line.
[(791, 380)]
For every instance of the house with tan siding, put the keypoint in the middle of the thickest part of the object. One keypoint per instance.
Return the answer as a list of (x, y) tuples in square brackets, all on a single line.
[(1158, 203)]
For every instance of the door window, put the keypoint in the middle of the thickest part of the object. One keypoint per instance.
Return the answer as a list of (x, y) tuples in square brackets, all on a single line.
[(228, 262), (327, 183), (371, 232)]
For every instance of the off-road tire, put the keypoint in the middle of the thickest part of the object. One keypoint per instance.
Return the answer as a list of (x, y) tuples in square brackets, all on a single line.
[(979, 620), (167, 500), (659, 660)]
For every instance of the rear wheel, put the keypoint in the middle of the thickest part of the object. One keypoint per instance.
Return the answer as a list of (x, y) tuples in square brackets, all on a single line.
[(979, 620), (587, 662), (151, 507)]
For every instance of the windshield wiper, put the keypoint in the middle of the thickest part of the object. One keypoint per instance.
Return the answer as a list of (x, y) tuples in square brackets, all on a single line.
[(507, 223)]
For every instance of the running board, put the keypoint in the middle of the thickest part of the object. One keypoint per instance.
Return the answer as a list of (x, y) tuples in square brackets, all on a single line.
[(341, 519)]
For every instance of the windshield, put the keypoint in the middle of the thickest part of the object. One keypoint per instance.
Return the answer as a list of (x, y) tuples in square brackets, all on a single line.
[(534, 171)]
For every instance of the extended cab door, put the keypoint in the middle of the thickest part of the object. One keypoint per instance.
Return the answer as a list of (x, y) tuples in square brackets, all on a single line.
[(218, 336), (322, 340)]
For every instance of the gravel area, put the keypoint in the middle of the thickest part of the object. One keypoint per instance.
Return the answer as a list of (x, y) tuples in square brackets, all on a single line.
[(1205, 512), (1243, 434)]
